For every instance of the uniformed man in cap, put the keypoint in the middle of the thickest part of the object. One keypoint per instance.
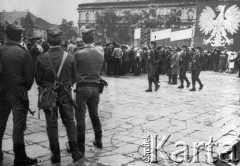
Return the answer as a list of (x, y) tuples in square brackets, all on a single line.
[(89, 64), (198, 61), (18, 68), (44, 78), (152, 66), (184, 61)]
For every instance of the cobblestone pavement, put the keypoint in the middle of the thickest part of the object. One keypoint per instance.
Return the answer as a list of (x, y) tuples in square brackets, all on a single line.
[(128, 114)]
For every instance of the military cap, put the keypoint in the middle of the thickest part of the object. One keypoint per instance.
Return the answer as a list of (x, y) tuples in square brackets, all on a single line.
[(54, 34), (14, 28), (88, 32)]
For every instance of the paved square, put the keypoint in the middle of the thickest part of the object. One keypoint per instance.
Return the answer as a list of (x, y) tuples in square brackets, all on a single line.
[(128, 114)]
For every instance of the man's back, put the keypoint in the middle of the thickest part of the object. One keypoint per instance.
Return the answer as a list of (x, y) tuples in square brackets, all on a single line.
[(17, 64), (44, 75), (89, 64)]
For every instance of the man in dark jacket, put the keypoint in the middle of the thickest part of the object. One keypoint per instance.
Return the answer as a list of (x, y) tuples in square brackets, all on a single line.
[(44, 78), (152, 66), (89, 64), (17, 64), (198, 61), (184, 61)]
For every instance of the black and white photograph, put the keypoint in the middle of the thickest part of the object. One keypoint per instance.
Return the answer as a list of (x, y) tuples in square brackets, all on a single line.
[(119, 82)]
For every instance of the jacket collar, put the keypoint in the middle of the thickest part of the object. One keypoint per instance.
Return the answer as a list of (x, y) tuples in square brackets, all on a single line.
[(11, 42), (53, 49)]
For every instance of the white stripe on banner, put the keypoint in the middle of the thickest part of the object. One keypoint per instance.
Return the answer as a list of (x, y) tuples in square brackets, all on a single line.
[(167, 33), (181, 35), (137, 33), (160, 35)]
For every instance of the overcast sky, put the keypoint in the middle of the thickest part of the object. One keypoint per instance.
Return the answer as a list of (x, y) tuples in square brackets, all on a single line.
[(50, 10)]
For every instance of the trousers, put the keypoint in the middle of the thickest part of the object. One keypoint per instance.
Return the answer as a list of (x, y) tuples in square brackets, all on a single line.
[(13, 101), (67, 115), (87, 97), (195, 77)]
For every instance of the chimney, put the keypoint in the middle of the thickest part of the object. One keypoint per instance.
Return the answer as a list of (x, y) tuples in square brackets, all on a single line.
[(3, 11), (27, 10), (14, 10)]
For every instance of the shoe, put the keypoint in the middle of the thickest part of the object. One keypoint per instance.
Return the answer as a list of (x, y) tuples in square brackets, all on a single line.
[(201, 86), (181, 87), (76, 154), (21, 158), (1, 157), (56, 157), (188, 84), (173, 83), (98, 144), (148, 90), (169, 82), (193, 89), (157, 87)]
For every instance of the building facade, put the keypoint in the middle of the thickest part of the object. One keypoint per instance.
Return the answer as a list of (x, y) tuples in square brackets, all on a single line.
[(87, 12)]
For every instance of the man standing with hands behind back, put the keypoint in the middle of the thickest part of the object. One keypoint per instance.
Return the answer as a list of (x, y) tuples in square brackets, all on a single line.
[(89, 64), (18, 68)]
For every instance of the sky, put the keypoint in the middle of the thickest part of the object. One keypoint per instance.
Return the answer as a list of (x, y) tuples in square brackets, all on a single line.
[(52, 11)]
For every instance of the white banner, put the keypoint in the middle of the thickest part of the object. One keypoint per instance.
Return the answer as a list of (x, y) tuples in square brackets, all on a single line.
[(160, 35), (181, 35), (173, 36), (137, 33)]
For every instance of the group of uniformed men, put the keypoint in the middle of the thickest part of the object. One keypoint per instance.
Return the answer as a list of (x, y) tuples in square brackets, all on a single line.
[(17, 68)]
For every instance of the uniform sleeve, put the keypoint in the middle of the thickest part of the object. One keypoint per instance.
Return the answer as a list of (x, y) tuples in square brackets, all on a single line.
[(28, 70), (38, 73)]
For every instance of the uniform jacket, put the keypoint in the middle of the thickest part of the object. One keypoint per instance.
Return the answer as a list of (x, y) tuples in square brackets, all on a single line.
[(198, 62), (44, 75), (89, 64), (184, 60), (17, 64), (174, 64), (155, 58)]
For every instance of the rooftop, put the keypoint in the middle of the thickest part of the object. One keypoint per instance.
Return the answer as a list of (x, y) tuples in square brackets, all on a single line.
[(19, 15)]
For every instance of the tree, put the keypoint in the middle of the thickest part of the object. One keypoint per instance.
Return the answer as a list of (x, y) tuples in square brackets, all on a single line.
[(106, 21), (28, 25), (67, 28)]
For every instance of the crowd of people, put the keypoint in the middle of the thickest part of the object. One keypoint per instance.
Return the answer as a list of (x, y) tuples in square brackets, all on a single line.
[(121, 59), (35, 58)]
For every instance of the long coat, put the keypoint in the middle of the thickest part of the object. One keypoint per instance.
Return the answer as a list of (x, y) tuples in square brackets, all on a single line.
[(175, 64)]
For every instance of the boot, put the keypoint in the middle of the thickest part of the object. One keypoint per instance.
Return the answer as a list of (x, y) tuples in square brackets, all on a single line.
[(98, 140), (157, 87), (1, 153), (201, 86), (193, 89), (76, 154), (148, 90), (56, 157), (21, 158), (1, 157), (181, 87), (98, 144), (81, 143), (188, 84)]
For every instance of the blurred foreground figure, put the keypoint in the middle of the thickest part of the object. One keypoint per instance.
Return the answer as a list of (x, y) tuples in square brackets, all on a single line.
[(17, 66)]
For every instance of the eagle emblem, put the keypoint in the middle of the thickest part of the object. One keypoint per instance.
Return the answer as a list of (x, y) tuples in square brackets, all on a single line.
[(218, 26)]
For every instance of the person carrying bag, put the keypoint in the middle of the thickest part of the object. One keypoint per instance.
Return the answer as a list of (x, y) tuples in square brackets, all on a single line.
[(55, 97)]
